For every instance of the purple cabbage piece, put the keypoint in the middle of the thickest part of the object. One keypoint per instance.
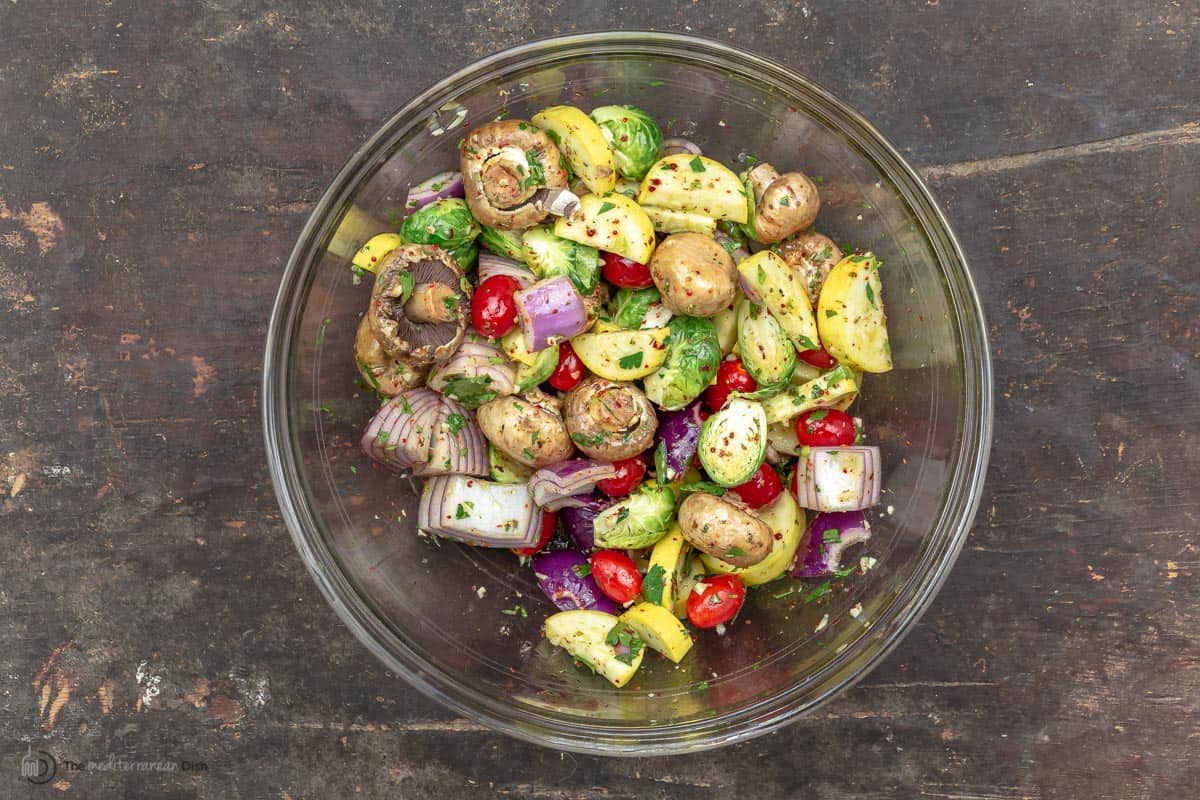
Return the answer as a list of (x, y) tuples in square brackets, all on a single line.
[(558, 576), (677, 437), (823, 558), (578, 521)]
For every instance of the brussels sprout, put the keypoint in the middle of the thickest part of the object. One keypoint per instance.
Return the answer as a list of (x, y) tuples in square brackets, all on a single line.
[(549, 255), (634, 137), (639, 308), (447, 223), (637, 521), (502, 243), (693, 354)]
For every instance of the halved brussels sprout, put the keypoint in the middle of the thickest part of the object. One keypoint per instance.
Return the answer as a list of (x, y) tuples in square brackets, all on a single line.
[(693, 355), (549, 255), (634, 137), (447, 223)]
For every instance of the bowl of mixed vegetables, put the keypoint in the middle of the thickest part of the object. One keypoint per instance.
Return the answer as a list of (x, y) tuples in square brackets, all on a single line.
[(647, 400)]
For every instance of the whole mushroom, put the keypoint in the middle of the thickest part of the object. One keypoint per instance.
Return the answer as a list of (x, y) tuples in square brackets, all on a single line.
[(387, 374), (811, 256), (527, 428), (721, 527), (511, 170), (783, 204), (694, 274), (609, 420), (419, 305)]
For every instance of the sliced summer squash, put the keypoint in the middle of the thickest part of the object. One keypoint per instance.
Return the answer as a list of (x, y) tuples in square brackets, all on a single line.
[(783, 293), (610, 222), (853, 324), (584, 634), (582, 144), (695, 184), (622, 355), (659, 629)]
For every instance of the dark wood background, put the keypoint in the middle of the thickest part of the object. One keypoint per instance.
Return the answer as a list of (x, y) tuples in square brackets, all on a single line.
[(157, 160)]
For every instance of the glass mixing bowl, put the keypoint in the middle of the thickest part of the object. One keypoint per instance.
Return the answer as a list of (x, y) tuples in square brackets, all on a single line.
[(435, 613)]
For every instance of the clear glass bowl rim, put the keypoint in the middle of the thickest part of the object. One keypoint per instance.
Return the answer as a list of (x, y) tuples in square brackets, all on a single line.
[(283, 447)]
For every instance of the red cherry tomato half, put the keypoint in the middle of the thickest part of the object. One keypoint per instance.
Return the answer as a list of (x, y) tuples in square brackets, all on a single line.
[(819, 358), (616, 575), (493, 309), (762, 489), (626, 273), (731, 377), (569, 372), (715, 601), (825, 427), (549, 524), (630, 472)]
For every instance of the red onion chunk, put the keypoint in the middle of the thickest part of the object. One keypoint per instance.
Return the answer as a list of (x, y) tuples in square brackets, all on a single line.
[(400, 434), (438, 187), (476, 358), (829, 535), (564, 577), (579, 521), (458, 444), (838, 478), (490, 265), (678, 436), (747, 288), (550, 311), (556, 486), (479, 512)]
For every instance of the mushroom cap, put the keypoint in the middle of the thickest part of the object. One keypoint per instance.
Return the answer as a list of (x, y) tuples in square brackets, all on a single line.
[(527, 428), (609, 420), (783, 204), (694, 274), (418, 343), (721, 527), (811, 256), (497, 162), (390, 375)]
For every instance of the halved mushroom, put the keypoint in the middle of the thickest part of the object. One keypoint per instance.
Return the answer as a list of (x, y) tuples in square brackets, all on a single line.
[(527, 428), (388, 375), (723, 528), (510, 169), (811, 256), (419, 305), (609, 420), (694, 274), (783, 204)]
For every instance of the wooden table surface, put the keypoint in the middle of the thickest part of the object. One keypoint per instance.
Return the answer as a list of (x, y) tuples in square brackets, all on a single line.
[(157, 160)]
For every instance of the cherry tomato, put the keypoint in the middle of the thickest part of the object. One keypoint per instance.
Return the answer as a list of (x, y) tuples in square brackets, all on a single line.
[(626, 273), (717, 602), (819, 358), (549, 524), (762, 489), (825, 427), (569, 372), (493, 309), (616, 575), (731, 377), (630, 472)]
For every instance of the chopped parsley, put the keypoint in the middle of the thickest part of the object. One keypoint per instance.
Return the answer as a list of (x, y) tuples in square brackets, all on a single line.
[(871, 296), (830, 313), (606, 206), (708, 487), (806, 342), (537, 175), (824, 254), (785, 201), (734, 552), (582, 570), (451, 303), (321, 333), (782, 595), (818, 415), (455, 422), (846, 572), (697, 164), (464, 509), (518, 611), (820, 591), (631, 361), (369, 374), (623, 637), (652, 584), (528, 453), (831, 536), (587, 441), (471, 392)]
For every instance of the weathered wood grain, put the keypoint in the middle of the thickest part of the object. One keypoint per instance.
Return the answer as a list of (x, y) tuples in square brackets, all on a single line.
[(156, 163)]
